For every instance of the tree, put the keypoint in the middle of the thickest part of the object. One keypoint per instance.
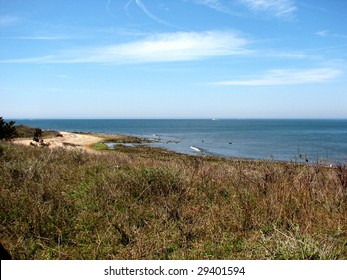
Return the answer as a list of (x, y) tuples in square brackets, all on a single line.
[(37, 135), (7, 130), (38, 138)]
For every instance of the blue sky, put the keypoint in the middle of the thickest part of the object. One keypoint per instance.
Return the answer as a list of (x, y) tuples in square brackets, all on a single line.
[(173, 59)]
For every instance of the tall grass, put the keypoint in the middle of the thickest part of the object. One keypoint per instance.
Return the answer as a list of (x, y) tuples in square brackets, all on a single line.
[(142, 203)]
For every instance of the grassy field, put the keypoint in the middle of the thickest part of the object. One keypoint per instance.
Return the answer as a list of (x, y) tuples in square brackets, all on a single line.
[(146, 203)]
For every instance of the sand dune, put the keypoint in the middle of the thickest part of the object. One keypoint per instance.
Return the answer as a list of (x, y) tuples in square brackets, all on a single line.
[(68, 140)]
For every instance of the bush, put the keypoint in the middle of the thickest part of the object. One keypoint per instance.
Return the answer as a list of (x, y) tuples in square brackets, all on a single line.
[(37, 135), (7, 130)]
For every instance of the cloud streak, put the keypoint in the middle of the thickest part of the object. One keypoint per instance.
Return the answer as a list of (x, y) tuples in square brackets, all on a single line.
[(144, 9), (41, 38), (216, 5), (327, 33), (164, 47), (6, 20), (278, 77), (283, 9), (148, 13)]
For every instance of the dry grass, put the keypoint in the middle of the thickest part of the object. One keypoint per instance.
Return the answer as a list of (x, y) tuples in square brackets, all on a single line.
[(145, 203)]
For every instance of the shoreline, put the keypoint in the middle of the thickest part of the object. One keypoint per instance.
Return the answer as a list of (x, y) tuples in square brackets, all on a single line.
[(238, 140), (85, 141)]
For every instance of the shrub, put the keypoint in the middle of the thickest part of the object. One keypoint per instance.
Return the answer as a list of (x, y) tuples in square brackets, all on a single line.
[(7, 130), (37, 135)]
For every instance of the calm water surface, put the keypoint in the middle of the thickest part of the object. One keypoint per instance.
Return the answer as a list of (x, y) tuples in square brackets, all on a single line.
[(289, 140)]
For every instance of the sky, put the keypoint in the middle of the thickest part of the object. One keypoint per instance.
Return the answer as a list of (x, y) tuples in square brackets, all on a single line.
[(173, 59)]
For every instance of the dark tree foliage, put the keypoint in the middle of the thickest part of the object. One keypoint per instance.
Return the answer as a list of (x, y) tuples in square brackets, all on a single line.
[(7, 130), (37, 135)]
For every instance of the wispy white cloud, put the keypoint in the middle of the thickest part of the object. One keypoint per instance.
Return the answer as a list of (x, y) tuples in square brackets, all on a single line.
[(277, 77), (314, 7), (216, 5), (283, 54), (8, 20), (322, 33), (283, 9), (327, 33), (127, 5), (144, 9), (147, 12), (37, 59), (43, 38), (109, 9), (165, 47)]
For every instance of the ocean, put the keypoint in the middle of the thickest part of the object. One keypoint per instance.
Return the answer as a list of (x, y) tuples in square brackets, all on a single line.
[(322, 141)]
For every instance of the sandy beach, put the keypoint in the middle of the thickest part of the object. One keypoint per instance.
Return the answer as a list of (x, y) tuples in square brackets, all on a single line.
[(68, 140)]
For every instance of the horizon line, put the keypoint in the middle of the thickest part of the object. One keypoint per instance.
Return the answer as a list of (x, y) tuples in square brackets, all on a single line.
[(183, 118)]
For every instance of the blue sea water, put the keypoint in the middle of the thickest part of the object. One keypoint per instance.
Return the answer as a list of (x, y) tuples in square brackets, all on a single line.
[(289, 140)]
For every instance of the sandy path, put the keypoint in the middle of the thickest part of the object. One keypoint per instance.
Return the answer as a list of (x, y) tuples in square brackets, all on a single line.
[(68, 140)]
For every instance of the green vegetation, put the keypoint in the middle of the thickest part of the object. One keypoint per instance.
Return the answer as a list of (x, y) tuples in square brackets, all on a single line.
[(29, 132), (145, 203), (118, 140), (99, 147), (7, 130)]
